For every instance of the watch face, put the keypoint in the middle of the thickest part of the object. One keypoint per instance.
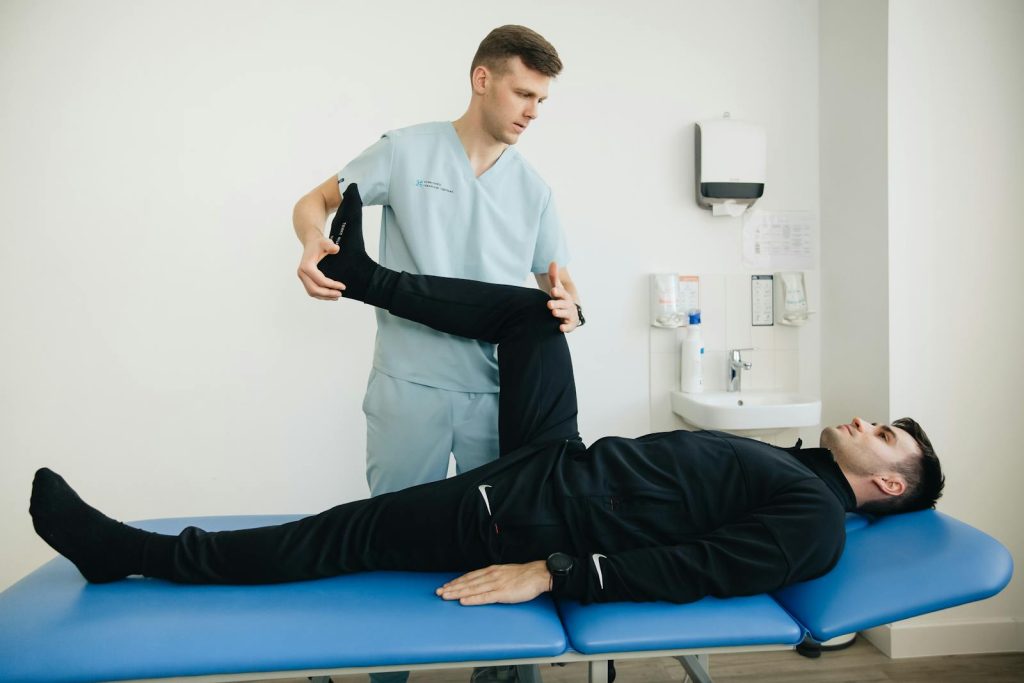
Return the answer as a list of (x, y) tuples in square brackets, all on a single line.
[(559, 563)]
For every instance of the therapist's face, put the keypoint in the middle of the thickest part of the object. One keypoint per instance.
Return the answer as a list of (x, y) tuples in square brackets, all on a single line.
[(511, 99)]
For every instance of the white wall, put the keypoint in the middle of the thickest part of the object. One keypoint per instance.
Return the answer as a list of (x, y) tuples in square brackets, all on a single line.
[(956, 169), (920, 164), (157, 347), (854, 211)]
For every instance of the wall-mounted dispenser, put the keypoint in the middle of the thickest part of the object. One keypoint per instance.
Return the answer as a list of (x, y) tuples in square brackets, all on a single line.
[(664, 301), (672, 298), (791, 299), (731, 164)]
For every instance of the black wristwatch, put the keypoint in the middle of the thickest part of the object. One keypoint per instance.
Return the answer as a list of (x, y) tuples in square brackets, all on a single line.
[(559, 566), (579, 311)]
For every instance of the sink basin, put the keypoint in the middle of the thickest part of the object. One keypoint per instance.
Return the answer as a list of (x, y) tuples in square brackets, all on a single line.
[(747, 410)]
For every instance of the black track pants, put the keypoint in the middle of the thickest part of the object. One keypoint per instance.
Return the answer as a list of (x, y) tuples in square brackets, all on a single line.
[(440, 526)]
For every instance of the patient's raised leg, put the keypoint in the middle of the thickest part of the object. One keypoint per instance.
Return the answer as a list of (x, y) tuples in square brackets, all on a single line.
[(537, 403)]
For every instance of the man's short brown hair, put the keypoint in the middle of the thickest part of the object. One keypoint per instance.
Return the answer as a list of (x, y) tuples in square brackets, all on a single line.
[(509, 41), (923, 475)]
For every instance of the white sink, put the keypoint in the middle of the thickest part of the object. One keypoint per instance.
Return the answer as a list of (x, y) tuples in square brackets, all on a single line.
[(747, 410)]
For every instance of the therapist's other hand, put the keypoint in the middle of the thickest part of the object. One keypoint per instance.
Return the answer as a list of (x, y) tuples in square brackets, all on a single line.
[(562, 305), (318, 285), (508, 583)]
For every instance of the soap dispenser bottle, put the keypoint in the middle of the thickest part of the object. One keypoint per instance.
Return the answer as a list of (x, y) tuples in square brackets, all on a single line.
[(691, 361)]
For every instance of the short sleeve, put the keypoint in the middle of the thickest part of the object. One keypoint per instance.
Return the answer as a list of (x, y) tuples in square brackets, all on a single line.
[(551, 244), (371, 170)]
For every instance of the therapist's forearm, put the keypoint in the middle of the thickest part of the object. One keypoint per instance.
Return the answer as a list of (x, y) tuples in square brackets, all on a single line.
[(309, 217)]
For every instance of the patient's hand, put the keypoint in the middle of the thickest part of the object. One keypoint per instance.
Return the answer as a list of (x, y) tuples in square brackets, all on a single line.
[(507, 583)]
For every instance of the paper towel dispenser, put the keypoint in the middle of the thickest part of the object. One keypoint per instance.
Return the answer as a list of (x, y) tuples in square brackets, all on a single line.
[(731, 163)]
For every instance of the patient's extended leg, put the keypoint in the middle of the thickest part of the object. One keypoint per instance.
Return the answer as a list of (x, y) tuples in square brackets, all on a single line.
[(537, 403), (432, 527)]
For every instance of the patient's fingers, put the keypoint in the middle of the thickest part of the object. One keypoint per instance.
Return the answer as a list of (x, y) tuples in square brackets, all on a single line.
[(470, 591), (467, 587), (468, 576), (482, 599), (465, 579)]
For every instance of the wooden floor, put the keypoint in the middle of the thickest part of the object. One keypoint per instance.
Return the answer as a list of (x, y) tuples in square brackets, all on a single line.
[(860, 663)]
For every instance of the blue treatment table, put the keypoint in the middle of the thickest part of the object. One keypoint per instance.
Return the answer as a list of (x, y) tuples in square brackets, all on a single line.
[(54, 627)]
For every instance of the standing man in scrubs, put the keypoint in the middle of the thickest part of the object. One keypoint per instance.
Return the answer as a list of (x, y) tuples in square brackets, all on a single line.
[(458, 201)]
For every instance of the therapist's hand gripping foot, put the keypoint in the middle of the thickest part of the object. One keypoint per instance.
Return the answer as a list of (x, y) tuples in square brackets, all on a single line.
[(506, 583), (350, 265), (318, 285)]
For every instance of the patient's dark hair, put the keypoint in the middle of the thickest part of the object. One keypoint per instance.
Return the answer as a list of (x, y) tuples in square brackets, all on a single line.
[(922, 473), (509, 41)]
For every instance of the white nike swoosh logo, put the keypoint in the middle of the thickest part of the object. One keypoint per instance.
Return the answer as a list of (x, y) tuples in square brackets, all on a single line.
[(483, 493), (596, 557)]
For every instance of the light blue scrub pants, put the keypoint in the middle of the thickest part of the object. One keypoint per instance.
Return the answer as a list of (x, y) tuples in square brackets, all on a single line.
[(411, 430)]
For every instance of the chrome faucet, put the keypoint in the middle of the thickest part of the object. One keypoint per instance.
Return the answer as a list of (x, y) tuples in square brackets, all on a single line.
[(736, 366)]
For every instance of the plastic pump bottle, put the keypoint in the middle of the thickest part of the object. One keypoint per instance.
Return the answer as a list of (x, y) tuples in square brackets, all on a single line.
[(692, 375)]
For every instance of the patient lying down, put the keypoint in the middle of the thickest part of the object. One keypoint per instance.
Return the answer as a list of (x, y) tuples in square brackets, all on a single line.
[(670, 516)]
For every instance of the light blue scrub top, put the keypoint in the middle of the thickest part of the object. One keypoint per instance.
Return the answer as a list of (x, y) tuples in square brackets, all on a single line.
[(440, 219)]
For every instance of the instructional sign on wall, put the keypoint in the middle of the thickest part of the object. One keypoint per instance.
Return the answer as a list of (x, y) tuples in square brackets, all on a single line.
[(761, 300), (779, 240)]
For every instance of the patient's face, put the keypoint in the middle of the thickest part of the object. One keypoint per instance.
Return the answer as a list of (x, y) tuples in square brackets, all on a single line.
[(864, 448)]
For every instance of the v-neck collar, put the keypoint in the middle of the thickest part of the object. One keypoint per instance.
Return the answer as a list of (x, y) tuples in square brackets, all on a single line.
[(467, 167)]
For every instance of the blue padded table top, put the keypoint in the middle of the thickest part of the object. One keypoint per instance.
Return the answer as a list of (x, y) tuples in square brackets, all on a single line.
[(899, 567), (707, 623), (711, 622), (55, 627), (891, 569)]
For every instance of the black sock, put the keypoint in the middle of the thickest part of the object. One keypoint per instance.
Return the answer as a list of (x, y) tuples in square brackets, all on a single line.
[(102, 549), (351, 266)]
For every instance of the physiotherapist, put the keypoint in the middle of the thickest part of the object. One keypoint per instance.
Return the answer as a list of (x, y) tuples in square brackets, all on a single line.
[(458, 201)]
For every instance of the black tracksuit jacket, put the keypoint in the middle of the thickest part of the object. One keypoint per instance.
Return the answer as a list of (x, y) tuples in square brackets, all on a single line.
[(675, 515)]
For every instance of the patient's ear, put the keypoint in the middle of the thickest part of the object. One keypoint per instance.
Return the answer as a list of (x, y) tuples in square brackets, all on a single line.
[(890, 483)]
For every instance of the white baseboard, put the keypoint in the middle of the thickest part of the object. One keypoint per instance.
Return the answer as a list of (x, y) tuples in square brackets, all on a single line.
[(976, 636)]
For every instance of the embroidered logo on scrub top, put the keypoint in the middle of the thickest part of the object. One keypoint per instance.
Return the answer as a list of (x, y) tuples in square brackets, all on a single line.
[(433, 185)]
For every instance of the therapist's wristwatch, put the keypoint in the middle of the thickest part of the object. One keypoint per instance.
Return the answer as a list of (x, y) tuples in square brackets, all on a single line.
[(559, 566), (579, 312)]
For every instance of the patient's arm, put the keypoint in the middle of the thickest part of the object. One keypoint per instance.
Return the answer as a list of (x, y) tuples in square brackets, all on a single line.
[(775, 545)]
